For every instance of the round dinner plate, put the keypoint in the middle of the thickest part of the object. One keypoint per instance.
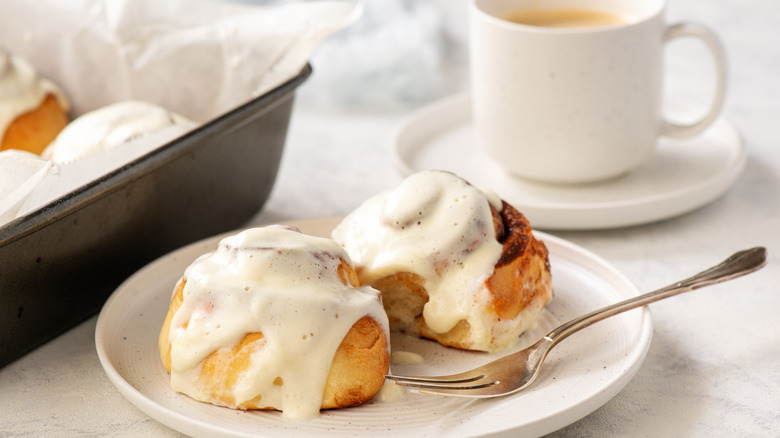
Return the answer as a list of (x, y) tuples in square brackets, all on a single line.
[(682, 175), (580, 374)]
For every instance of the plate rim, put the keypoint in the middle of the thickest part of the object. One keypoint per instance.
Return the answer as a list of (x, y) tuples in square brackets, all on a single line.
[(194, 426), (454, 111)]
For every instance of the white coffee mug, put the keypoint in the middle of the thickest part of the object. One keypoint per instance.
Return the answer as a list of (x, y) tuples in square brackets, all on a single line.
[(572, 105)]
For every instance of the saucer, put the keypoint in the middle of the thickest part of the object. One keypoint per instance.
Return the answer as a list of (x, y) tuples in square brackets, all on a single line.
[(681, 176)]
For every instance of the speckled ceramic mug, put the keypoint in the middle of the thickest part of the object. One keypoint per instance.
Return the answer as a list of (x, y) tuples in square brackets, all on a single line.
[(573, 105)]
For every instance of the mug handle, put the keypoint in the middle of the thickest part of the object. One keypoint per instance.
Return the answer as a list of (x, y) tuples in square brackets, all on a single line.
[(713, 43)]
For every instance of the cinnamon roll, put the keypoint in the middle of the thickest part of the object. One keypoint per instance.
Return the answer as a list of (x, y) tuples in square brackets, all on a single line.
[(33, 110), (275, 319), (111, 126), (454, 263)]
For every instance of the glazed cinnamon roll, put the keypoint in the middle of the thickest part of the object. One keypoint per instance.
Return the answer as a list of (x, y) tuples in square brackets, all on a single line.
[(454, 263), (33, 110), (113, 125), (275, 319)]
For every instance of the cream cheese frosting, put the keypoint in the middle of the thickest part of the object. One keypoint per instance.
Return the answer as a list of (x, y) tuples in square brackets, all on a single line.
[(440, 227), (284, 284), (108, 127)]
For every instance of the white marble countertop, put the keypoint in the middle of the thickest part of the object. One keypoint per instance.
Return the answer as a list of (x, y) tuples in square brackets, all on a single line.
[(713, 368)]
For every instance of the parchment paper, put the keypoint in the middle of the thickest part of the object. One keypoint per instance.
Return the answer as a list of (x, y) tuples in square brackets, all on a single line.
[(197, 58)]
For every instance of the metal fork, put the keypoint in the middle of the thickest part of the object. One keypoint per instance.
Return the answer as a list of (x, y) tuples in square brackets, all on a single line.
[(516, 371)]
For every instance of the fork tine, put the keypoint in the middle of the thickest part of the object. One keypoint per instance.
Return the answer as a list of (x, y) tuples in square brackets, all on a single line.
[(436, 380), (468, 384), (482, 390)]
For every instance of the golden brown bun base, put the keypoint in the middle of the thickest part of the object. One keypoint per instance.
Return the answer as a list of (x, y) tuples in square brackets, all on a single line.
[(34, 130), (521, 279), (356, 374)]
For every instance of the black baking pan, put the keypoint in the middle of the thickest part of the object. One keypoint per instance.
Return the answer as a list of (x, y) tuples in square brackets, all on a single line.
[(59, 264)]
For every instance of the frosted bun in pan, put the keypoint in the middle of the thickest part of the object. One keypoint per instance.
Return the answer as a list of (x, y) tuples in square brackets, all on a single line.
[(110, 126), (33, 110)]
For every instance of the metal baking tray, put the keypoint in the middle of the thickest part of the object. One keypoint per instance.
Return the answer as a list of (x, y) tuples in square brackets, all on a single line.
[(59, 264)]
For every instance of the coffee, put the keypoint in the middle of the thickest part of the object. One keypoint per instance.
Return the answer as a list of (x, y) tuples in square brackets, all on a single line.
[(564, 18)]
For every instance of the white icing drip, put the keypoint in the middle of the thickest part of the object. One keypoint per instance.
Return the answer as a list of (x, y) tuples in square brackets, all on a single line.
[(22, 90), (109, 126), (405, 358), (439, 227), (281, 283), (391, 392)]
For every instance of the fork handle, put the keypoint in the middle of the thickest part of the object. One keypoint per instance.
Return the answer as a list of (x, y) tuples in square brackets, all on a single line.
[(739, 264)]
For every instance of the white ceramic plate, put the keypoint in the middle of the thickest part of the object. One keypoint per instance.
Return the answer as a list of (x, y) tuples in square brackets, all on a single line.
[(680, 177), (581, 374)]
